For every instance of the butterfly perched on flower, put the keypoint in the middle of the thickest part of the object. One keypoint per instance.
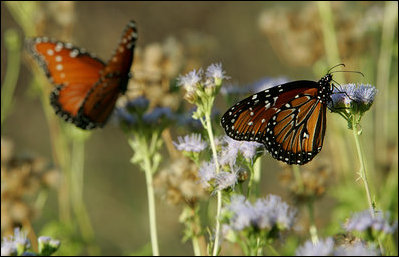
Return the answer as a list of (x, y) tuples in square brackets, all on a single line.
[(289, 119), (86, 88)]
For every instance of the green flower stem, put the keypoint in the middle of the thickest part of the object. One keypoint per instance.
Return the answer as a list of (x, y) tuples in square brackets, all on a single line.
[(13, 45), (77, 184), (257, 174), (208, 126), (196, 247), (312, 229), (259, 248), (298, 178), (362, 172), (251, 180), (330, 38), (151, 208), (253, 184), (148, 149), (382, 107)]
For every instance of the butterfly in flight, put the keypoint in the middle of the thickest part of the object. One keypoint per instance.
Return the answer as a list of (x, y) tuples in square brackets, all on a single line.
[(86, 88), (289, 119)]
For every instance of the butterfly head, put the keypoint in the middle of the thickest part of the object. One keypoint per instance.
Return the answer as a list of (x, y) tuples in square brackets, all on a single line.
[(326, 79)]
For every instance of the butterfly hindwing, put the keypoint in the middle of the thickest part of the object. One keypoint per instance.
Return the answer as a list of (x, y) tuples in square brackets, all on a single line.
[(100, 101)]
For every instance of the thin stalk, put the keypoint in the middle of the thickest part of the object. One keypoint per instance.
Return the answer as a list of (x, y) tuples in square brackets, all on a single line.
[(196, 246), (382, 106), (329, 36), (77, 184), (333, 58), (151, 201), (208, 126), (259, 248), (363, 174), (312, 229), (257, 174), (13, 45), (253, 184), (251, 180), (298, 178)]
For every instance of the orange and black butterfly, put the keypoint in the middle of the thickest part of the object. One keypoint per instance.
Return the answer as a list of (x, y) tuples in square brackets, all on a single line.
[(86, 88), (289, 119)]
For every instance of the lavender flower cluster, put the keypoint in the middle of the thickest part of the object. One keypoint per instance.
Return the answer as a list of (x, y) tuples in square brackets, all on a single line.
[(358, 97), (18, 244), (327, 247), (232, 148), (363, 221), (265, 213)]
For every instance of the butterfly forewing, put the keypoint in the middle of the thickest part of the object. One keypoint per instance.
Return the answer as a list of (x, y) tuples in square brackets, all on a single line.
[(64, 63), (288, 119)]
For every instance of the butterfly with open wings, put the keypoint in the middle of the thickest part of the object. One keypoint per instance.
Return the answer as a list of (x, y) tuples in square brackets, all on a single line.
[(289, 119), (86, 88)]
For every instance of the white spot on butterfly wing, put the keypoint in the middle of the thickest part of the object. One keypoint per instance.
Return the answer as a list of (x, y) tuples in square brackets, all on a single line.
[(74, 53), (59, 67), (59, 46)]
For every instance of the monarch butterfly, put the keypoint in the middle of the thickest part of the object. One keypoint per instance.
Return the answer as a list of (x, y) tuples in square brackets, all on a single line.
[(86, 88), (289, 119)]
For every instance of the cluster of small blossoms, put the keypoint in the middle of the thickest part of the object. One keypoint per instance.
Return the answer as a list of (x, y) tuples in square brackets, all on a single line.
[(227, 178), (191, 143), (364, 222), (264, 215), (134, 115), (18, 245), (352, 99), (327, 247), (201, 90), (231, 149)]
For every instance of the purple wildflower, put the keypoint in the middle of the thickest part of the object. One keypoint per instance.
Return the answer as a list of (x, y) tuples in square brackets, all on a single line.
[(321, 248), (233, 147), (358, 97), (215, 71), (190, 81), (362, 221), (224, 179), (17, 243), (265, 213), (191, 143), (206, 173), (158, 115)]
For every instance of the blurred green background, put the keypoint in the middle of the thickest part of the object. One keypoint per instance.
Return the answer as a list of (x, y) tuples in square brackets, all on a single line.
[(252, 40)]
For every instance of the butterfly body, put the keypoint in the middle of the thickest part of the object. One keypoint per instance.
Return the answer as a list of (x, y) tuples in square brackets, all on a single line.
[(86, 88), (289, 119)]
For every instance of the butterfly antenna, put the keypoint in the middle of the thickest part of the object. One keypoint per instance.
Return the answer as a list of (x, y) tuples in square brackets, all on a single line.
[(358, 72), (341, 64)]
